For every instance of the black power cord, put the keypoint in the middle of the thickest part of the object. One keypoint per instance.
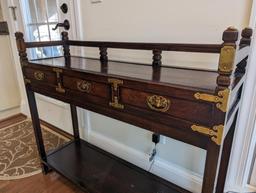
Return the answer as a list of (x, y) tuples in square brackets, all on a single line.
[(156, 140)]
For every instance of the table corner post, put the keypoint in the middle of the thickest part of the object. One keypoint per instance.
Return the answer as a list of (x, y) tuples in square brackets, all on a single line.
[(37, 129)]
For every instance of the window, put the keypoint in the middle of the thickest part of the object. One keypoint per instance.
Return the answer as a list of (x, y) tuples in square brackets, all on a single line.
[(40, 17)]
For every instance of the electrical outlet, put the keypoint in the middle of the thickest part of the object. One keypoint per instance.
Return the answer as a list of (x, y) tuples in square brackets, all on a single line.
[(96, 1)]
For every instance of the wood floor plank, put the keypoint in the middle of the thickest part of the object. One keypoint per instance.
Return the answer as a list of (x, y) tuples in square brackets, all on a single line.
[(51, 183), (12, 120)]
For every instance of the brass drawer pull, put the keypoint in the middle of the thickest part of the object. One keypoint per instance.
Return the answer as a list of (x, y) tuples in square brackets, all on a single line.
[(158, 103), (39, 75), (83, 86)]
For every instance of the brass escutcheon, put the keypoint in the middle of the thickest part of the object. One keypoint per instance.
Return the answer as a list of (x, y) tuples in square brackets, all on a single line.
[(158, 103), (83, 86), (39, 75)]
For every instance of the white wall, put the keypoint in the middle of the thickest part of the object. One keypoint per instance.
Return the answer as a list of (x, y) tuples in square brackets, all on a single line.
[(9, 89), (163, 21), (1, 13)]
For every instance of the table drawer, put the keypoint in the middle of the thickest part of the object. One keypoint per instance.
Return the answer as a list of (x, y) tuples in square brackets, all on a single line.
[(85, 86), (40, 75), (168, 106)]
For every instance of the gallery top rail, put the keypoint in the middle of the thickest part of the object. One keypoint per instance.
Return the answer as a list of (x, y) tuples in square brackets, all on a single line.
[(230, 39)]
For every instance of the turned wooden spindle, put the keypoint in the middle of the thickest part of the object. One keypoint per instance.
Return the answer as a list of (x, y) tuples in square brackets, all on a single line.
[(157, 58), (245, 41), (246, 37), (103, 55), (241, 67), (66, 48), (21, 48), (156, 74), (227, 58)]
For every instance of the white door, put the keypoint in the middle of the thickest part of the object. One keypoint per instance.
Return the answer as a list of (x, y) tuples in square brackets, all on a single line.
[(36, 19)]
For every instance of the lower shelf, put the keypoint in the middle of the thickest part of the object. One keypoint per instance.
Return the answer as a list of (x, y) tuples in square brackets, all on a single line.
[(97, 171)]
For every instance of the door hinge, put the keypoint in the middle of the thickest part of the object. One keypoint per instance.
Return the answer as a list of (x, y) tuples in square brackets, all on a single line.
[(215, 133), (221, 100)]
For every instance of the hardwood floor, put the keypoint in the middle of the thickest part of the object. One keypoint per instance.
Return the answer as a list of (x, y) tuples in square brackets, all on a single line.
[(12, 120), (51, 183)]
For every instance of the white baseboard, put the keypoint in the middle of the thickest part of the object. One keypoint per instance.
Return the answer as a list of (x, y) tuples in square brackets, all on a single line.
[(9, 112), (169, 171)]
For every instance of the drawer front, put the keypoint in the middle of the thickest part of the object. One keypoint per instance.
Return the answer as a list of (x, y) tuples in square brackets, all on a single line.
[(167, 106), (84, 86), (40, 75)]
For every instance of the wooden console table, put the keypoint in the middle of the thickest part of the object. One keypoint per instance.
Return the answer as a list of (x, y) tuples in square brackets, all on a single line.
[(198, 107)]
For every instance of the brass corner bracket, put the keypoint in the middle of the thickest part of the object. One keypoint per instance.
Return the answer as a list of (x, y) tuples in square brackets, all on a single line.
[(215, 133), (227, 59), (221, 99)]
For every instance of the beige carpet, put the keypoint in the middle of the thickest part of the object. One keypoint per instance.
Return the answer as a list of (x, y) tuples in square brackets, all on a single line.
[(18, 152)]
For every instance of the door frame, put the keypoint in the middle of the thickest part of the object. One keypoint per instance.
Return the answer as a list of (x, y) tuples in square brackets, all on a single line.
[(19, 24), (245, 134)]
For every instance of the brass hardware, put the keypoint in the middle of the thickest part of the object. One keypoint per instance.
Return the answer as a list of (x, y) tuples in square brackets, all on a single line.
[(27, 81), (39, 75), (83, 86), (221, 99), (116, 104), (227, 58), (59, 87), (216, 133), (158, 103), (57, 70), (115, 83)]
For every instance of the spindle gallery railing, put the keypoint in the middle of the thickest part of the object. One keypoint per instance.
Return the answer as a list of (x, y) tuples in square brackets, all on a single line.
[(231, 53)]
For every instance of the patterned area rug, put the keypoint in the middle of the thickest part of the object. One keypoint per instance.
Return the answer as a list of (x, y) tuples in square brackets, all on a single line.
[(18, 152)]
